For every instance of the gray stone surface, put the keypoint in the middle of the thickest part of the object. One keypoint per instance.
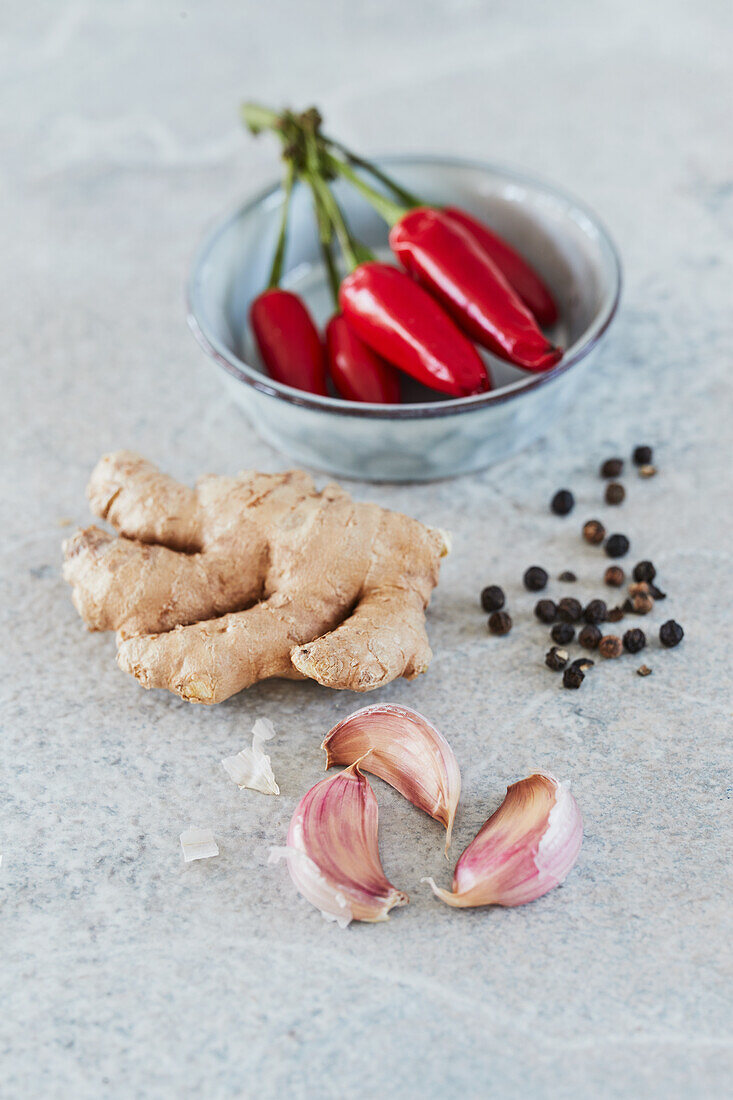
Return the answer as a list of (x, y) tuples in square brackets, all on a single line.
[(127, 973)]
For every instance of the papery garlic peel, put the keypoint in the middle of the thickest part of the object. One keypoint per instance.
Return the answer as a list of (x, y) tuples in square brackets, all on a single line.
[(525, 849), (251, 768), (332, 850), (403, 748)]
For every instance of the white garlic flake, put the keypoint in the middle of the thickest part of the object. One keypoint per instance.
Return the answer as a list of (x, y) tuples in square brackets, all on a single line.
[(251, 768), (198, 844)]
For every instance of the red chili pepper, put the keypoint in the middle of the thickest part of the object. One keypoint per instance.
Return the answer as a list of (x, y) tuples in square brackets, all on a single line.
[(288, 340), (515, 269), (447, 259), (399, 320), (356, 371)]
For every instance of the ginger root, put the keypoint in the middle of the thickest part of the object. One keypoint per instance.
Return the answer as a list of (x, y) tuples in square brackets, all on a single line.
[(249, 577)]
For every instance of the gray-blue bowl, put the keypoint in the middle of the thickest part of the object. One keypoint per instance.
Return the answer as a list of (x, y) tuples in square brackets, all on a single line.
[(428, 436)]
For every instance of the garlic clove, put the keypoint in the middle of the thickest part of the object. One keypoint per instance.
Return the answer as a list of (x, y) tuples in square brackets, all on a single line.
[(403, 748), (332, 851), (525, 849)]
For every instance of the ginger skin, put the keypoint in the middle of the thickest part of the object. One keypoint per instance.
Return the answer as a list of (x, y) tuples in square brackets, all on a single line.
[(244, 578)]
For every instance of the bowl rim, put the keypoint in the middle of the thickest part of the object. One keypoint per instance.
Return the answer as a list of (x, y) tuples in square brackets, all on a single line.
[(243, 372)]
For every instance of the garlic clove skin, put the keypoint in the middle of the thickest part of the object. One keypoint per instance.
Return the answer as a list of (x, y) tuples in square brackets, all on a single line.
[(527, 847), (332, 851), (252, 768), (405, 750)]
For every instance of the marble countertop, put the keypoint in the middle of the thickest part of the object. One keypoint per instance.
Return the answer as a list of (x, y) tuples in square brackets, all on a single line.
[(127, 973)]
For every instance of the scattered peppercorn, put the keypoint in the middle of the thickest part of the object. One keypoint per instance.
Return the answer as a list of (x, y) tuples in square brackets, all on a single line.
[(615, 615), (562, 633), (562, 502), (615, 493), (572, 677), (500, 622), (634, 640), (656, 593), (642, 455), (617, 546), (567, 577), (556, 659), (642, 604), (595, 612), (589, 636), (643, 670), (546, 611), (612, 467), (535, 578), (639, 588), (610, 646), (582, 663), (594, 532), (671, 634), (569, 610), (492, 598), (644, 571), (614, 576), (647, 471)]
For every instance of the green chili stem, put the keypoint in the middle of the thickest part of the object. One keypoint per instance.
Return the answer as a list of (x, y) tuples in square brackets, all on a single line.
[(337, 220), (385, 207), (325, 236), (354, 252), (257, 118), (402, 193), (277, 261), (333, 276)]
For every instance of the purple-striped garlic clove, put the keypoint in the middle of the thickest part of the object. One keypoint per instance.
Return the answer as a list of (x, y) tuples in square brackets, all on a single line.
[(403, 748), (332, 851), (525, 849)]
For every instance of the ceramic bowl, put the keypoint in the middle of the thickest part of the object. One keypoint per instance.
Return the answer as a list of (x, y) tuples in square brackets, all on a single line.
[(428, 436)]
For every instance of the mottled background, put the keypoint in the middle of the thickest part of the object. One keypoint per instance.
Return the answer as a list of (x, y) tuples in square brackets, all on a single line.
[(123, 971)]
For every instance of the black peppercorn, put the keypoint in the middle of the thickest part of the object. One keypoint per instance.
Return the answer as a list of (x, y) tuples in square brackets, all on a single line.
[(615, 493), (610, 646), (644, 571), (572, 677), (615, 615), (642, 455), (535, 578), (614, 576), (595, 612), (569, 610), (617, 546), (634, 640), (492, 598), (500, 622), (562, 502), (562, 633), (594, 532), (612, 467), (546, 611), (589, 637), (567, 576), (671, 634), (656, 593), (582, 663), (556, 659)]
